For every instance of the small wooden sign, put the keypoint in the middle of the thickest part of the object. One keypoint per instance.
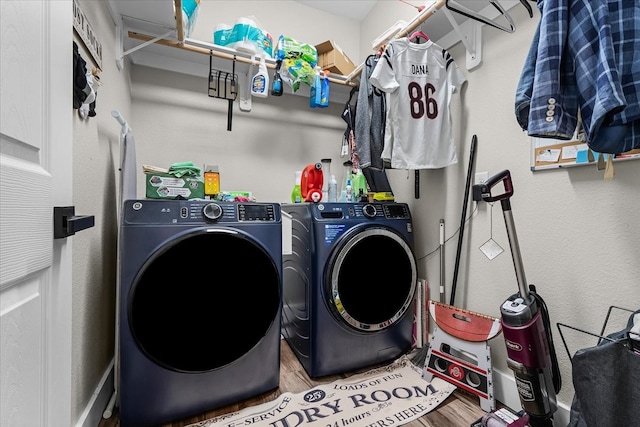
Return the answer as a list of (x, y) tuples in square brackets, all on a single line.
[(87, 34)]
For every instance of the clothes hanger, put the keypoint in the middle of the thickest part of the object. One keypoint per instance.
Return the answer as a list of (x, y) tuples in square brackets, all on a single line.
[(451, 5), (372, 60), (420, 8), (351, 93), (374, 57), (418, 35), (527, 6)]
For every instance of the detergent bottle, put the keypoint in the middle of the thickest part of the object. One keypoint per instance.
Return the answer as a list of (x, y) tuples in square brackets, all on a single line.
[(359, 184), (311, 183), (260, 81)]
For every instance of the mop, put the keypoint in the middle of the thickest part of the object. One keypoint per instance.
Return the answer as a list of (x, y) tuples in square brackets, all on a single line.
[(420, 356), (459, 351)]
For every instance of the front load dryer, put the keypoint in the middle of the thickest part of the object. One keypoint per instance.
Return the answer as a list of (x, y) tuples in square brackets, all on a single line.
[(199, 307), (348, 284)]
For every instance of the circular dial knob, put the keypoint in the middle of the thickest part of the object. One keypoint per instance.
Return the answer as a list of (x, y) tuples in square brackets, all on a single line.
[(212, 211), (369, 211)]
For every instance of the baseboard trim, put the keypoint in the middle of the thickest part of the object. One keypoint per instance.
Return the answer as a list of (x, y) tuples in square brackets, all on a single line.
[(505, 391), (92, 413)]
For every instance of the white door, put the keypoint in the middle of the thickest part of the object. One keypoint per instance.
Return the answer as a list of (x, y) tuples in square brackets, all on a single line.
[(35, 175)]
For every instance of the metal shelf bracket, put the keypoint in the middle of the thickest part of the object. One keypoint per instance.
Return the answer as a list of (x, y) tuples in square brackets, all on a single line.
[(470, 34), (120, 37)]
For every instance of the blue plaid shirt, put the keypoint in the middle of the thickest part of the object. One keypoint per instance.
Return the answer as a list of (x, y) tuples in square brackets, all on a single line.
[(587, 58)]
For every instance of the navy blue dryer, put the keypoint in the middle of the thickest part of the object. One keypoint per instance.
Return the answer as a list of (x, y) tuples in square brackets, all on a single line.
[(348, 285), (200, 303)]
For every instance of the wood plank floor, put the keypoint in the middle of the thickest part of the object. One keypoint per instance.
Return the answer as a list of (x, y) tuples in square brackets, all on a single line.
[(460, 409)]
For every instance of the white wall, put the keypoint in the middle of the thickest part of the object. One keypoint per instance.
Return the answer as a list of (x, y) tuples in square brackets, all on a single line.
[(176, 121), (578, 233), (96, 159)]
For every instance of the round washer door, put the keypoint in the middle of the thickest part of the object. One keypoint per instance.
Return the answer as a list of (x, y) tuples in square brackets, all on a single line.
[(371, 279), (191, 301)]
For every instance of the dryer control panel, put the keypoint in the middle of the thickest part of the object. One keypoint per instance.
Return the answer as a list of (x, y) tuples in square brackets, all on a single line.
[(234, 212), (152, 211)]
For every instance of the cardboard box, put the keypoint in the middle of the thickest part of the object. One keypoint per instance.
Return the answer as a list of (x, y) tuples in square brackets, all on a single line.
[(333, 59), (167, 186)]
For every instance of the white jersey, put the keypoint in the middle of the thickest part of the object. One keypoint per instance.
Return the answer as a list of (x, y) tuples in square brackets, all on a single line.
[(419, 80)]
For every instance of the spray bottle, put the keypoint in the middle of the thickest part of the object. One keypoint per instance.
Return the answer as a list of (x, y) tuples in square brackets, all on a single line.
[(260, 81), (319, 91), (296, 193), (276, 86)]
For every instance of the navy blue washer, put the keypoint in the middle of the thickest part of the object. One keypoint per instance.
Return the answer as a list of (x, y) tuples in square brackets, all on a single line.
[(348, 285)]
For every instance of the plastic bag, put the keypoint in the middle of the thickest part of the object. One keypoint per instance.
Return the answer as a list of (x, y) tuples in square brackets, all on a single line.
[(298, 62)]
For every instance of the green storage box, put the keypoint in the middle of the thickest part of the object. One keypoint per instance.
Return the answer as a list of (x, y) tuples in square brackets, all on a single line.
[(167, 186)]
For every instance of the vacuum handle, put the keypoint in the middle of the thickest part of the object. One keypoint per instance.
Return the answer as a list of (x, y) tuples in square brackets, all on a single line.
[(483, 191)]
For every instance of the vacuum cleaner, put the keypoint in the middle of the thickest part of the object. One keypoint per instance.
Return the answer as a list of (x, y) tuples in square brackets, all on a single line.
[(525, 324)]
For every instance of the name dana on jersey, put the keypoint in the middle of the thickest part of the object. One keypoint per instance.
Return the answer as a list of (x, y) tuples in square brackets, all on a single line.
[(419, 69)]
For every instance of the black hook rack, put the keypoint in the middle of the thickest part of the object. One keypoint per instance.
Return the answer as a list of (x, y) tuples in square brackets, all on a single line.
[(223, 85)]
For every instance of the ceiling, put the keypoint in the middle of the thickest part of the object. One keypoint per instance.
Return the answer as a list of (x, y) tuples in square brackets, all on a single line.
[(354, 9), (439, 25)]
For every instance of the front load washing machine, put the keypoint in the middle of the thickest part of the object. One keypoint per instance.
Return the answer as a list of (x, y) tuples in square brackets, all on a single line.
[(348, 284), (199, 306)]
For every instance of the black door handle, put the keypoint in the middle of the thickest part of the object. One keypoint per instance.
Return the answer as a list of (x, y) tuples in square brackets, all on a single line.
[(66, 223)]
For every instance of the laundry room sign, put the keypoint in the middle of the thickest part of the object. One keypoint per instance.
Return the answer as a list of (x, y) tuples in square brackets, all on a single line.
[(87, 34), (391, 396)]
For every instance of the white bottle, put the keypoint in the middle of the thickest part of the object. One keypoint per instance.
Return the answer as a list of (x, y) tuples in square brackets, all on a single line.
[(333, 189), (326, 174), (348, 192), (260, 81)]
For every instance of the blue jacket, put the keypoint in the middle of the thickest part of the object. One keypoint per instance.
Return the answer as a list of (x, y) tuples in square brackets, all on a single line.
[(584, 62)]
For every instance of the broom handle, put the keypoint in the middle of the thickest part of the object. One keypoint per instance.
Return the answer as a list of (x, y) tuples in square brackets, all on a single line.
[(442, 280), (474, 141)]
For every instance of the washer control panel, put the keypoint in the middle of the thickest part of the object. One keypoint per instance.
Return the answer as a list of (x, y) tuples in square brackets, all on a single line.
[(396, 210), (369, 210), (359, 210), (212, 211)]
